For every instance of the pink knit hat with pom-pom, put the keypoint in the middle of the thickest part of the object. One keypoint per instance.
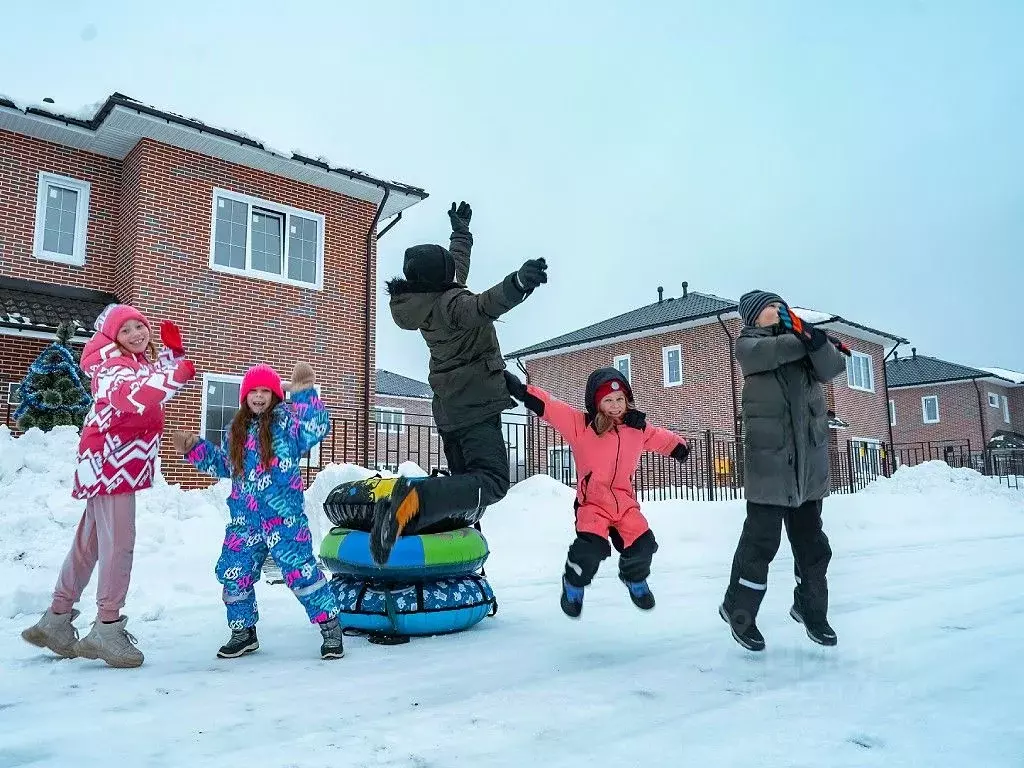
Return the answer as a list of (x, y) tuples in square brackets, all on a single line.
[(261, 375)]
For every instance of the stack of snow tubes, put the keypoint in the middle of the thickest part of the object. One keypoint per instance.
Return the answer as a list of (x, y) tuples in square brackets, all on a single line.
[(431, 584)]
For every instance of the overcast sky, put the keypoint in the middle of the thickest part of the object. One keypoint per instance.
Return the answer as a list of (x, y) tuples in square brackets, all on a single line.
[(860, 158)]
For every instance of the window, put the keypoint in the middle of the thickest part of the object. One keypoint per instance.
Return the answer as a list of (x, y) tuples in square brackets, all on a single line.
[(266, 240), (389, 419), (62, 216), (930, 409), (622, 365), (993, 400), (14, 393), (672, 365), (892, 413), (1006, 410), (561, 465), (860, 372), (220, 403)]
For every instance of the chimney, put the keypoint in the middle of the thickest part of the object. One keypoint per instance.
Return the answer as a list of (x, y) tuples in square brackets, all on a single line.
[(895, 355), (661, 292), (913, 351), (685, 287)]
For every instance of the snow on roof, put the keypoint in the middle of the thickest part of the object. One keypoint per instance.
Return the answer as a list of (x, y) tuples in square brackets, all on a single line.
[(86, 112), (1015, 376), (813, 315)]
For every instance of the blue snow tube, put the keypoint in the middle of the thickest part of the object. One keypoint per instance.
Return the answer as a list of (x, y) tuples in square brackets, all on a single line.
[(429, 607), (414, 558)]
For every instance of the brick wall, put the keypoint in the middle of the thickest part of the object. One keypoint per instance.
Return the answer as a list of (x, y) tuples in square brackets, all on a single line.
[(415, 441), (958, 413), (21, 160), (866, 412)]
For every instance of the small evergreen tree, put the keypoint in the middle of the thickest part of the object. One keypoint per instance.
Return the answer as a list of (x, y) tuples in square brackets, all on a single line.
[(55, 391)]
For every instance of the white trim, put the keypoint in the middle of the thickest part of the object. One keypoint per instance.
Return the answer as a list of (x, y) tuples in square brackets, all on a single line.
[(208, 377), (928, 385), (286, 211), (11, 387), (665, 352), (855, 355), (42, 335), (77, 256), (386, 426), (406, 397), (892, 412), (993, 396), (1006, 409), (924, 410), (629, 361)]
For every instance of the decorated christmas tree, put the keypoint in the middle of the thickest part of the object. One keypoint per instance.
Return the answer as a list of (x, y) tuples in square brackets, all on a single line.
[(55, 392)]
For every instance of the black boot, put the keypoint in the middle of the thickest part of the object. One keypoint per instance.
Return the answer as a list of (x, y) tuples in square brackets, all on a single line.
[(417, 503), (242, 641), (818, 629), (640, 594), (744, 629), (333, 646), (572, 600)]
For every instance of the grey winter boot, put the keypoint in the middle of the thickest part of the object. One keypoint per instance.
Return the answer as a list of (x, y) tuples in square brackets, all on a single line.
[(54, 631), (112, 643), (333, 645)]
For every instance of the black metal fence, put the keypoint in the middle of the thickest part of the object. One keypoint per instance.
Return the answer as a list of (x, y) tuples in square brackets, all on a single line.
[(714, 470)]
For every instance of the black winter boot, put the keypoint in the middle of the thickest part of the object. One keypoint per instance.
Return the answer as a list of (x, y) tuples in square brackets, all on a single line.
[(572, 600), (640, 594), (242, 641), (818, 629), (744, 629), (333, 645)]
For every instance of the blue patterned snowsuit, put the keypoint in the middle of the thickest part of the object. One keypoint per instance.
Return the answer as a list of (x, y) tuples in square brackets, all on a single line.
[(267, 513)]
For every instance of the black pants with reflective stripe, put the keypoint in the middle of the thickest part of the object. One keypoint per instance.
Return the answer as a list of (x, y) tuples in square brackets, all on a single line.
[(757, 547), (589, 549)]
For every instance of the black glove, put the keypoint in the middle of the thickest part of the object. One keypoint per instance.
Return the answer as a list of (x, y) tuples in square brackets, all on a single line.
[(681, 452), (531, 274), (516, 388), (635, 419), (460, 216)]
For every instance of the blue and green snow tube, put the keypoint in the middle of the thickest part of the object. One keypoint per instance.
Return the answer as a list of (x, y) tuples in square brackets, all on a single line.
[(431, 607), (427, 556)]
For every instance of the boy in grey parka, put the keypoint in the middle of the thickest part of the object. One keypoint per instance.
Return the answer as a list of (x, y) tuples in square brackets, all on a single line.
[(785, 364)]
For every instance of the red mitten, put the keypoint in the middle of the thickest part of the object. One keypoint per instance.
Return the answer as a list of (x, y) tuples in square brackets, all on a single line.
[(170, 336)]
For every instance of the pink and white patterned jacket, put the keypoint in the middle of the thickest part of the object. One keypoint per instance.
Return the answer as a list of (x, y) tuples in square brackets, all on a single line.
[(120, 439)]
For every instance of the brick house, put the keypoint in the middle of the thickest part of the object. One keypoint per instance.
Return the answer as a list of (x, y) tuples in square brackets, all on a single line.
[(677, 355), (258, 255), (404, 424), (946, 404)]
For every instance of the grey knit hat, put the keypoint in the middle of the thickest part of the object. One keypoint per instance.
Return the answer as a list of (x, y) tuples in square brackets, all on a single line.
[(753, 303)]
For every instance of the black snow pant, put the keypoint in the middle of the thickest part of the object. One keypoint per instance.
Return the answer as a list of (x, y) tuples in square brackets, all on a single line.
[(758, 544), (477, 460), (589, 549)]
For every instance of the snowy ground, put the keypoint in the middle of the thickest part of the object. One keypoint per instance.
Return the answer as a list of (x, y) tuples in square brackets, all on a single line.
[(927, 598)]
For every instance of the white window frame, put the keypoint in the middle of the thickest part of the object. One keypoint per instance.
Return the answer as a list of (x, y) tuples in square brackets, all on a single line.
[(924, 409), (854, 355), (629, 365), (665, 352), (892, 413), (1006, 410), (564, 449), (77, 256), (284, 210), (387, 426), (216, 378), (993, 400)]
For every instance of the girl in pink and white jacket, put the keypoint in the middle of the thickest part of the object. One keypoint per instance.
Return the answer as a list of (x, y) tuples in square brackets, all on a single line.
[(117, 456), (607, 441)]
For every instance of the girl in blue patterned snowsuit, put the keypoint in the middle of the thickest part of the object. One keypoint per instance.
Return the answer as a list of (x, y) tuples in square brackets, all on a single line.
[(266, 439)]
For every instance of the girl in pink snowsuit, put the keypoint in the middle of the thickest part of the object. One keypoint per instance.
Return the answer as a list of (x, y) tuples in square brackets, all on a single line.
[(117, 456), (607, 442)]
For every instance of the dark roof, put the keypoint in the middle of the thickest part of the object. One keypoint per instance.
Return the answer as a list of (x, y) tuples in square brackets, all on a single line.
[(121, 100), (396, 385), (920, 369), (38, 306), (670, 311)]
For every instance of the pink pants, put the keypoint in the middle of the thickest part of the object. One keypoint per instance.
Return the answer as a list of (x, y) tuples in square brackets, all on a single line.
[(106, 533)]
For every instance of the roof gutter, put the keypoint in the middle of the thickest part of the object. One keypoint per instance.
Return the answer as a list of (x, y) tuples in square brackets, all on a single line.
[(885, 386), (732, 370), (951, 381), (367, 340), (981, 414)]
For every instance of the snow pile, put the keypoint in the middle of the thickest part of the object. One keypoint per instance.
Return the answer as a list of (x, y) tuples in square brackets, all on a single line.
[(937, 477)]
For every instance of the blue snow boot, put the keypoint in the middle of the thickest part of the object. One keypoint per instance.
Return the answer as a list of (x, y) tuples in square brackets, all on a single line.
[(640, 594), (572, 599)]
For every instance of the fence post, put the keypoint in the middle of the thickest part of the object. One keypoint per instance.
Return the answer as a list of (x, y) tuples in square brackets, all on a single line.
[(709, 465), (849, 465)]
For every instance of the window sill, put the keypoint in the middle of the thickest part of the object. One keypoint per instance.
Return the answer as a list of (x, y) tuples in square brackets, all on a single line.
[(60, 258), (267, 277), (860, 389)]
